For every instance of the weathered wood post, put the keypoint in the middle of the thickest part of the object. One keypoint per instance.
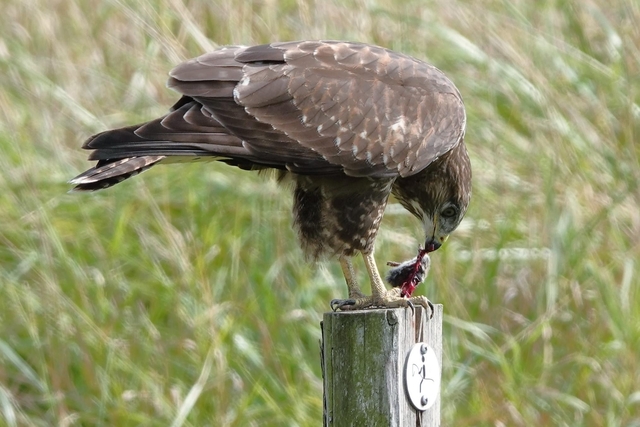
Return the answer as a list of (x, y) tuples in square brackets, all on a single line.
[(363, 361)]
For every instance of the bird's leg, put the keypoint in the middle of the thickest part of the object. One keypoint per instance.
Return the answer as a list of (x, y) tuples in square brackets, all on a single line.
[(378, 290), (350, 277), (352, 285)]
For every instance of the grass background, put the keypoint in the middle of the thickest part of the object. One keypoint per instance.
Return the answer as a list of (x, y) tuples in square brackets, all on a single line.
[(181, 297)]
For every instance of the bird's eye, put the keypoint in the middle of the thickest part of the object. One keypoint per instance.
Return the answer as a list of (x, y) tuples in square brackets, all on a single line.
[(449, 212)]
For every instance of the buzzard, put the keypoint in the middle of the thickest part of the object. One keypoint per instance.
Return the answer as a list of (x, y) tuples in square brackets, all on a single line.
[(348, 123)]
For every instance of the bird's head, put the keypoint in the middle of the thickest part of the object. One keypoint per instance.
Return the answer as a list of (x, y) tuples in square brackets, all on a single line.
[(440, 207), (440, 212), (438, 196), (440, 221)]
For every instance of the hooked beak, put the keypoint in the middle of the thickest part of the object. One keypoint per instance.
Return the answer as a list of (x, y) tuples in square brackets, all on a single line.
[(434, 240), (431, 245)]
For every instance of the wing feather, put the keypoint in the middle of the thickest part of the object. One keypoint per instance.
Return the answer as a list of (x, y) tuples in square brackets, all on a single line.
[(312, 107)]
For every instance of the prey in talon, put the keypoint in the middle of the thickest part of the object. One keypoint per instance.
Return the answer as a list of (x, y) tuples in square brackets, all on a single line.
[(409, 274)]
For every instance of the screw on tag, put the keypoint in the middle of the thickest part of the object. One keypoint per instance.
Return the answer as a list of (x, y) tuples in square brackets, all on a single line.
[(422, 376)]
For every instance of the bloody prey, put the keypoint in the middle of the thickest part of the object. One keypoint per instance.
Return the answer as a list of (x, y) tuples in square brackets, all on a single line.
[(409, 274)]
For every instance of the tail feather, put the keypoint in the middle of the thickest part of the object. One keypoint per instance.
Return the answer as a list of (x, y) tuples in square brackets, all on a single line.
[(108, 173), (206, 123), (185, 133)]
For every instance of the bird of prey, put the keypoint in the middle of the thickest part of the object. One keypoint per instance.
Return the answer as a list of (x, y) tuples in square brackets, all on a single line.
[(348, 123)]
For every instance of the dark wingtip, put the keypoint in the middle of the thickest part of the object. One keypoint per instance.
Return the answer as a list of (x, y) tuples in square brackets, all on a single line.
[(108, 173)]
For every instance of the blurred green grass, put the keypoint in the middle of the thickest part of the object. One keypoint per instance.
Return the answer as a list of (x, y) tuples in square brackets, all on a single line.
[(181, 296)]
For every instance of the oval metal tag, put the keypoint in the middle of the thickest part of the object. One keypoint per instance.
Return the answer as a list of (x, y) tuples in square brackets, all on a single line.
[(422, 376)]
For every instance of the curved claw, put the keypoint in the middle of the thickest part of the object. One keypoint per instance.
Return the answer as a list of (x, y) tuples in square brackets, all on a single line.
[(412, 307), (424, 302), (337, 304)]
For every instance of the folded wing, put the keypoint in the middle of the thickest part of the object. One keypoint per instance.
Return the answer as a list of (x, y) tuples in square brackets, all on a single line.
[(312, 107)]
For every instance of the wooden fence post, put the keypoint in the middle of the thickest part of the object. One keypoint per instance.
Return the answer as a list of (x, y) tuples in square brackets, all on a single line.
[(363, 359)]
